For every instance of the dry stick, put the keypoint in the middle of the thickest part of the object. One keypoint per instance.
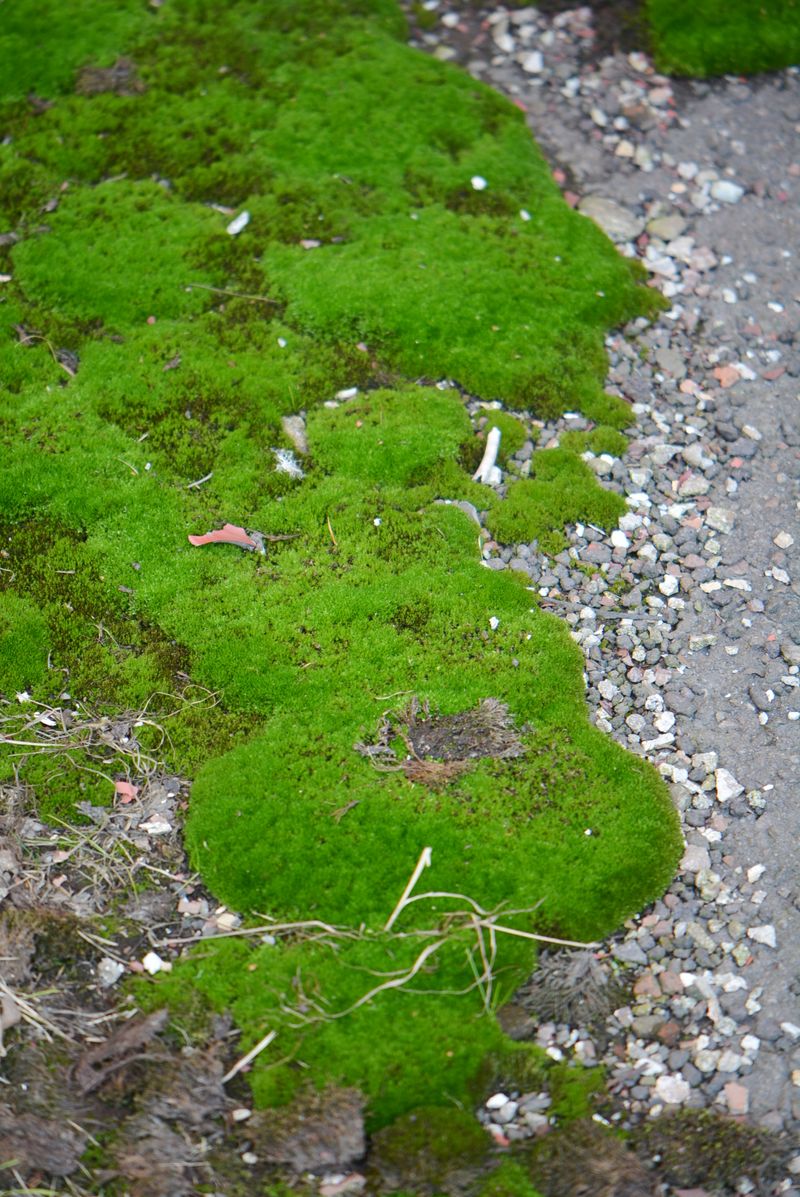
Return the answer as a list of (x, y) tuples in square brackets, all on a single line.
[(234, 294), (395, 983), (423, 863), (484, 470), (199, 482), (251, 1055), (566, 943)]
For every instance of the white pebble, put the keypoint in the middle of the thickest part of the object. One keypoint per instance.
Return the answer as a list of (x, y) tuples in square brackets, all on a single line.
[(673, 1090), (726, 785), (726, 192), (783, 540), (764, 934), (152, 963), (670, 585), (533, 63), (238, 223), (665, 722), (478, 183), (496, 1101)]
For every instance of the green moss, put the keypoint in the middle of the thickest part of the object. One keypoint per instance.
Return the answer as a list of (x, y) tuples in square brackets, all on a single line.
[(192, 346), (598, 440), (509, 1180), (561, 490), (513, 433), (718, 37), (42, 48), (429, 1151), (23, 644), (573, 1089), (702, 1148)]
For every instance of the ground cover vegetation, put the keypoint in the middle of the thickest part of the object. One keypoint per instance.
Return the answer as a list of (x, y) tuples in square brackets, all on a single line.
[(150, 359), (719, 37)]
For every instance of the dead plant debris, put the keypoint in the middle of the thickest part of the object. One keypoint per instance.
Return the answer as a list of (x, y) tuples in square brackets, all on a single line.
[(441, 747), (120, 80)]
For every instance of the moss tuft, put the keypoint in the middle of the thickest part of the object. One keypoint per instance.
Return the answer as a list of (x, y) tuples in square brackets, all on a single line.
[(719, 37)]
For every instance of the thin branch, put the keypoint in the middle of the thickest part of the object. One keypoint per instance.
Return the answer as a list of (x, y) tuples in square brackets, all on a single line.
[(423, 863), (248, 1056)]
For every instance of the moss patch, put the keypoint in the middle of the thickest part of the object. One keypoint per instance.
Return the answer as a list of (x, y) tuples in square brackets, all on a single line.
[(561, 490), (718, 37), (186, 347)]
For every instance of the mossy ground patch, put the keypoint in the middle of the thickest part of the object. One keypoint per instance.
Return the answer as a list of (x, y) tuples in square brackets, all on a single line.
[(718, 37), (354, 158)]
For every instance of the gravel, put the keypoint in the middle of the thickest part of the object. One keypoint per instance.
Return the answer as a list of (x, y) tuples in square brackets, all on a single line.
[(689, 622)]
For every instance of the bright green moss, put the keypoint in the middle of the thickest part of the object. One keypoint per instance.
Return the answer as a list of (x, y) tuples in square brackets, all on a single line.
[(561, 490), (513, 433), (23, 643), (718, 37), (43, 46), (132, 267), (333, 132)]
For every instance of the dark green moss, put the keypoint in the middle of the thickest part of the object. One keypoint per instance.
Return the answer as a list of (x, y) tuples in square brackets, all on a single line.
[(429, 1152), (510, 1179), (718, 37), (702, 1148)]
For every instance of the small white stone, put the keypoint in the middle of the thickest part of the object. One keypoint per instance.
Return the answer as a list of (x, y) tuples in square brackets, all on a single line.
[(695, 859), (737, 584), (726, 191), (673, 1090), (533, 62), (241, 1114), (750, 1043), (506, 1112), (494, 623), (619, 540), (755, 873), (783, 540), (726, 785), (670, 585), (665, 721), (791, 1029), (478, 183), (764, 934), (780, 575), (109, 971), (238, 223), (152, 963), (524, 214), (496, 1101)]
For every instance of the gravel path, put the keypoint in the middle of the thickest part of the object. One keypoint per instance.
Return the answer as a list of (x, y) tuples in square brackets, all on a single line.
[(697, 664)]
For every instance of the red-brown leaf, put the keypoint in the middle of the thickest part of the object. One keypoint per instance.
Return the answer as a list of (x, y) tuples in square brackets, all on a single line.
[(228, 534)]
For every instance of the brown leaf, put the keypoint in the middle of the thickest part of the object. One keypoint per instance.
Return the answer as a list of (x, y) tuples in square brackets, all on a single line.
[(227, 534), (125, 791), (118, 1051)]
